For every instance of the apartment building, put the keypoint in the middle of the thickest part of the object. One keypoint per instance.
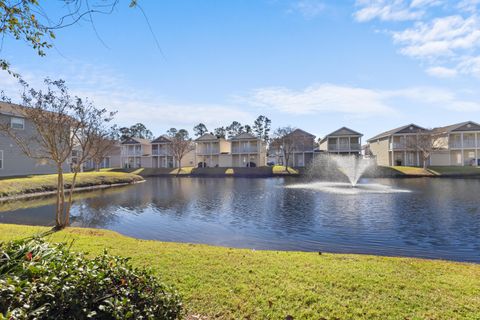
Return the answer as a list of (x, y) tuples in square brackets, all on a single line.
[(136, 153), (162, 156), (13, 161), (211, 151), (342, 141), (248, 151), (458, 145), (396, 147)]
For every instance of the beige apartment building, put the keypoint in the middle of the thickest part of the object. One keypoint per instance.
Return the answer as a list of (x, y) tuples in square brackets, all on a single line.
[(211, 151), (342, 141), (458, 145), (248, 151), (396, 147), (136, 153), (162, 156)]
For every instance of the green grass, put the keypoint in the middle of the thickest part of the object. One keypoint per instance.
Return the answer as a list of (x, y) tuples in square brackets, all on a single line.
[(223, 283), (44, 183), (436, 171), (263, 171), (456, 170), (412, 171), (277, 169)]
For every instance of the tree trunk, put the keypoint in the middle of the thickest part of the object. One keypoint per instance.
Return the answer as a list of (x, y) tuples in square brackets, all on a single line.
[(61, 195), (70, 198), (59, 206), (285, 157), (97, 166), (179, 166)]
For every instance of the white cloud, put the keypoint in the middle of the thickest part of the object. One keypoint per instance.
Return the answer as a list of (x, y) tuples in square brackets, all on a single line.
[(308, 8), (440, 37), (446, 40), (442, 72), (392, 10), (110, 90), (355, 101), (323, 98)]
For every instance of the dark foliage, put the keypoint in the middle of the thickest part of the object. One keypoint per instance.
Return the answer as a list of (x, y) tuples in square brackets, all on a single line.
[(44, 281)]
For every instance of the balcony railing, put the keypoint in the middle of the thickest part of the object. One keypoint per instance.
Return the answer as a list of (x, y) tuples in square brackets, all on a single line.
[(344, 147), (208, 150), (397, 145), (244, 150), (132, 153), (161, 152), (466, 144)]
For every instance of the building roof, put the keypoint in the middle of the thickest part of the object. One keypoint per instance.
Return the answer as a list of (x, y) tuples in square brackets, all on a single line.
[(134, 140), (404, 129), (207, 137), (301, 132), (462, 126), (244, 136), (162, 138), (11, 109), (343, 131)]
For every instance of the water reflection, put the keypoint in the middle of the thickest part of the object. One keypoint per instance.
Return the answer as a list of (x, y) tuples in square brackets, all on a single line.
[(436, 218)]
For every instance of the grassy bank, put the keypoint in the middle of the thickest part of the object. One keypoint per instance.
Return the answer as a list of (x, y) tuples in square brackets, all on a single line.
[(43, 183), (223, 283), (213, 172), (447, 171)]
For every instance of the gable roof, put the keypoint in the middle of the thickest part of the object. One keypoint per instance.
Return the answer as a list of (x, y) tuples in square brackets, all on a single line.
[(134, 140), (207, 137), (343, 131), (462, 126), (244, 136), (301, 132), (162, 138), (403, 129), (11, 109)]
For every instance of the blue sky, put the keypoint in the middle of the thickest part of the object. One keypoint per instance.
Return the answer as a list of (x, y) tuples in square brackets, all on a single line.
[(318, 65)]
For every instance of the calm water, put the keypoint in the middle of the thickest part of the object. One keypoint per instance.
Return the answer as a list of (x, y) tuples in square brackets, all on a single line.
[(433, 218)]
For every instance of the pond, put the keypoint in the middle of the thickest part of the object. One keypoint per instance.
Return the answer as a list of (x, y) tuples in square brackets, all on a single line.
[(430, 218)]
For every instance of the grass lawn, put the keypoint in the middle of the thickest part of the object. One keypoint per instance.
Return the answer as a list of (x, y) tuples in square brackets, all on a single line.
[(223, 283), (277, 169), (43, 183), (412, 171), (454, 170)]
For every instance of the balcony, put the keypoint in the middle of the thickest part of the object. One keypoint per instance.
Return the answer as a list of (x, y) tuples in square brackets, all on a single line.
[(466, 144), (136, 153), (214, 150), (344, 147), (244, 149), (397, 146), (161, 152)]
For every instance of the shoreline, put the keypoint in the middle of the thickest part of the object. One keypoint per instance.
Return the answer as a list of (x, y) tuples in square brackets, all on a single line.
[(24, 196)]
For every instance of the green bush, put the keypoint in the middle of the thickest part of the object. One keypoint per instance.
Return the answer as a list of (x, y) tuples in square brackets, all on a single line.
[(39, 280)]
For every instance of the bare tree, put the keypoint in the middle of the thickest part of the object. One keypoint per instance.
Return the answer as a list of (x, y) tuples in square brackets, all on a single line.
[(103, 144), (62, 124), (90, 122), (50, 114), (284, 142), (180, 144), (424, 142)]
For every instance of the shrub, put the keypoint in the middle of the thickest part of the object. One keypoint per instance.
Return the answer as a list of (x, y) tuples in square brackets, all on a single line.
[(39, 280)]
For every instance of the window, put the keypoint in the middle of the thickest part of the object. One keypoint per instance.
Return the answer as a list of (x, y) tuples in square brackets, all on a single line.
[(1, 159), (17, 123)]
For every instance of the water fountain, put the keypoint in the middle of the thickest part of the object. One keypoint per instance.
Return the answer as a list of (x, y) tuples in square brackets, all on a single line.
[(353, 167), (341, 174)]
